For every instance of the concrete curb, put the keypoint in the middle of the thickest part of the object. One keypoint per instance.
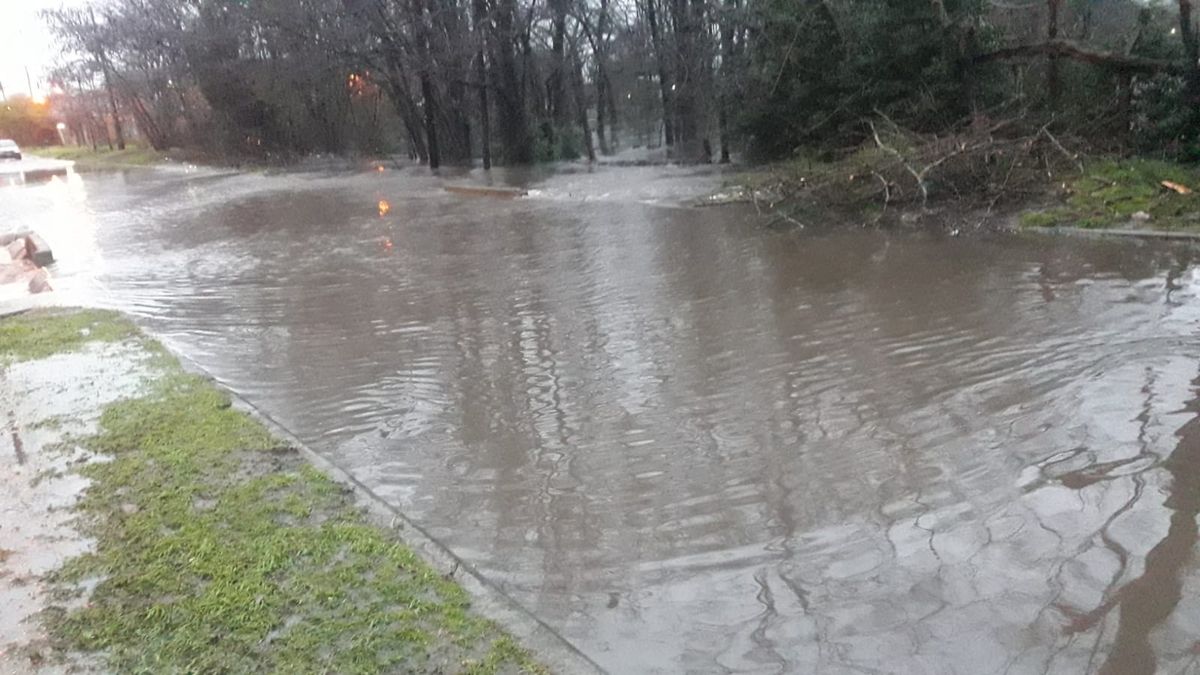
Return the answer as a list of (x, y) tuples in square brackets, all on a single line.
[(14, 306), (1131, 234), (546, 644)]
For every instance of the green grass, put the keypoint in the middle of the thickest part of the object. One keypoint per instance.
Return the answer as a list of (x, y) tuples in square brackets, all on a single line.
[(41, 333), (86, 158), (1110, 192), (219, 550)]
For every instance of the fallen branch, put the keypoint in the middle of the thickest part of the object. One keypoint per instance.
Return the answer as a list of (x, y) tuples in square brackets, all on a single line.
[(919, 177), (1072, 50), (1045, 131)]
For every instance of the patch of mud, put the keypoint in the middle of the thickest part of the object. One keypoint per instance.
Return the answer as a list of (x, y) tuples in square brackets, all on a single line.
[(43, 405)]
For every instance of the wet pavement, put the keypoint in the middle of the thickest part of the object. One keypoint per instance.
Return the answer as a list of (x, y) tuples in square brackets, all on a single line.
[(689, 442), (43, 405)]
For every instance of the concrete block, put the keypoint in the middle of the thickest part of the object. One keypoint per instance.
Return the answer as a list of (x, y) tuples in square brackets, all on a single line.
[(38, 250)]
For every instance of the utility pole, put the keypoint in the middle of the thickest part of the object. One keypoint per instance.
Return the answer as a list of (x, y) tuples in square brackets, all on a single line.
[(3, 96), (28, 82)]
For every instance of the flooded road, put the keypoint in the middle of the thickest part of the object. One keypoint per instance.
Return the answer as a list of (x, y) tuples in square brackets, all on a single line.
[(692, 443)]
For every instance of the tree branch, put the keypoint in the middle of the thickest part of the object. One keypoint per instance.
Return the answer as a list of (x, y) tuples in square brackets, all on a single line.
[(1071, 50)]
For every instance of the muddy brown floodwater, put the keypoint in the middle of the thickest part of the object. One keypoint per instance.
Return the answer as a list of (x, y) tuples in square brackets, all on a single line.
[(692, 443)]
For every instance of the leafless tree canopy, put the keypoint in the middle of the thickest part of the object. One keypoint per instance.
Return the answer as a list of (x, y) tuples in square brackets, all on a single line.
[(517, 81)]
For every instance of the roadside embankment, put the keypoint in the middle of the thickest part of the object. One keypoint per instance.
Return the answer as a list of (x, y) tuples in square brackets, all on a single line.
[(1125, 195), (87, 159), (983, 178), (153, 526), (133, 157)]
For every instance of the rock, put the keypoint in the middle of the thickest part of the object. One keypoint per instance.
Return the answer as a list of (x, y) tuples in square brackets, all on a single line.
[(40, 282), (38, 250), (17, 250), (17, 271), (1142, 217)]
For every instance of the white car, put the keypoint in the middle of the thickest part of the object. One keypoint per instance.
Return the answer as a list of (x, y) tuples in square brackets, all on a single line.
[(9, 149)]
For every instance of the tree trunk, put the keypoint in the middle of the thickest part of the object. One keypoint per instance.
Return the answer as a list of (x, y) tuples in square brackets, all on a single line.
[(939, 10), (106, 68), (1053, 81), (146, 123), (188, 116), (428, 95), (431, 134), (613, 119), (581, 108), (727, 77), (689, 77), (510, 103), (601, 107), (599, 53), (116, 114), (485, 117), (448, 56), (402, 100), (1116, 62), (485, 122), (664, 77), (557, 91), (686, 137), (1187, 29), (1191, 50)]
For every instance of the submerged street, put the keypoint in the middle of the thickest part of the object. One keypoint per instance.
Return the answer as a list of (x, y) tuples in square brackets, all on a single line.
[(689, 442)]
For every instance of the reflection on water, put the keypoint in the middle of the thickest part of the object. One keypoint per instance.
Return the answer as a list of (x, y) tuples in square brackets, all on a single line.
[(1150, 599), (690, 444)]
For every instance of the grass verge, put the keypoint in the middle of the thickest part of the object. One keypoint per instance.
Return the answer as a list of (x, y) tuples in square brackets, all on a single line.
[(36, 335), (217, 549), (1120, 193), (85, 158)]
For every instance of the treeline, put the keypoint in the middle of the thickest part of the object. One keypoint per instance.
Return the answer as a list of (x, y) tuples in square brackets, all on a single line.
[(26, 121), (517, 81)]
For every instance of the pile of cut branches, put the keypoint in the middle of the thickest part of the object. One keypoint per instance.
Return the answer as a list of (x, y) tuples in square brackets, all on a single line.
[(983, 166)]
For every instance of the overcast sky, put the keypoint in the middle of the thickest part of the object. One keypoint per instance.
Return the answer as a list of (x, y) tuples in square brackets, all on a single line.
[(24, 41)]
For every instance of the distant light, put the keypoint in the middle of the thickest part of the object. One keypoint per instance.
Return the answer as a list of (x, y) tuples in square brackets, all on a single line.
[(1173, 30), (61, 126), (384, 207)]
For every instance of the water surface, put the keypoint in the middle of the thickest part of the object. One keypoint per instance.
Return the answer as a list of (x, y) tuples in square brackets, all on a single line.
[(693, 443)]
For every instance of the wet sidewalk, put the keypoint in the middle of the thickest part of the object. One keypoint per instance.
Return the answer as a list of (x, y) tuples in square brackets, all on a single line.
[(44, 403)]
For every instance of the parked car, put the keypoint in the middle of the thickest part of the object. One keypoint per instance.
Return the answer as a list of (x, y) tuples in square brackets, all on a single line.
[(9, 149)]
